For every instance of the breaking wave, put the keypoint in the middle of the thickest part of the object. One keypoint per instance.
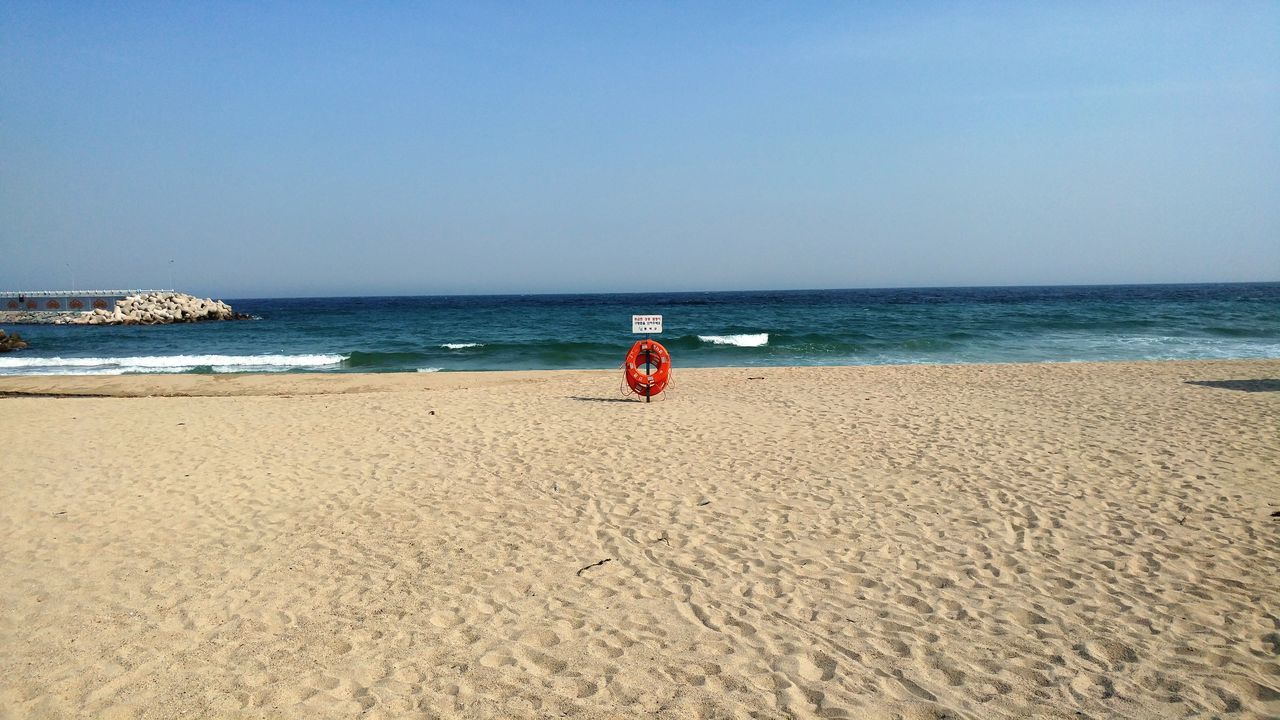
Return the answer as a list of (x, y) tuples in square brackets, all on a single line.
[(744, 340), (164, 364)]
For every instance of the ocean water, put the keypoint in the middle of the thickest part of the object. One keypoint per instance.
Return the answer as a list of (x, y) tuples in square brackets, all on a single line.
[(820, 327)]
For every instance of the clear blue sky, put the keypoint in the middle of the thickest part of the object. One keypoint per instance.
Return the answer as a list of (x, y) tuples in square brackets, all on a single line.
[(280, 149)]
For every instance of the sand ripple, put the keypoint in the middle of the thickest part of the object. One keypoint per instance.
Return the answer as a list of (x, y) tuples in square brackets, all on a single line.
[(972, 542)]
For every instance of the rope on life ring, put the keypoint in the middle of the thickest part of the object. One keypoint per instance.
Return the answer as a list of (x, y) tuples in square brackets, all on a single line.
[(647, 368)]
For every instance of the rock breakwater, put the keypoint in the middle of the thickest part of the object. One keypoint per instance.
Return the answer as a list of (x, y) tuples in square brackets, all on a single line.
[(9, 343), (158, 308)]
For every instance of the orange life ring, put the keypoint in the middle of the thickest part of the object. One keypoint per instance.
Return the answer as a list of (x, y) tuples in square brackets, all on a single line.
[(647, 354)]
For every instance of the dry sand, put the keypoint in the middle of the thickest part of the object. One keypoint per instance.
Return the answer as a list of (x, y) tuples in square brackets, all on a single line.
[(1077, 540)]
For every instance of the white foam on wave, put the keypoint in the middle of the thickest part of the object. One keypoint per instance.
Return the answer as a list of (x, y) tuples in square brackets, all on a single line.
[(428, 369), (1157, 347), (163, 364), (460, 346), (744, 340)]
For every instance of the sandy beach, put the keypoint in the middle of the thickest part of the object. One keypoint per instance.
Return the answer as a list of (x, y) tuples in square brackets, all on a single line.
[(984, 541)]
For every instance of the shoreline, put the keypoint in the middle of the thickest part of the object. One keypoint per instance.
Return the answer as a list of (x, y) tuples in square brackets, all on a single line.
[(323, 383), (39, 317), (1055, 540)]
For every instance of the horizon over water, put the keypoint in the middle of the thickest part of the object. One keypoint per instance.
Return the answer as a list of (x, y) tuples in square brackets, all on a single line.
[(701, 329)]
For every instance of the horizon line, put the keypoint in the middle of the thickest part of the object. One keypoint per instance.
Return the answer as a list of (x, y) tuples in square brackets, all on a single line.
[(758, 290), (658, 292)]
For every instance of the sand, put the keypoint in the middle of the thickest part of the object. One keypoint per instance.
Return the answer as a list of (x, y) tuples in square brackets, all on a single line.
[(1073, 540)]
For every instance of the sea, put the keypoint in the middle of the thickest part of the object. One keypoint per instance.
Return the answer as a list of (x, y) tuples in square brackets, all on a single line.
[(700, 329)]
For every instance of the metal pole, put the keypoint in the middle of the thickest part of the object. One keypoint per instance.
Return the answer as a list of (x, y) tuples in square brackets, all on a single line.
[(648, 364)]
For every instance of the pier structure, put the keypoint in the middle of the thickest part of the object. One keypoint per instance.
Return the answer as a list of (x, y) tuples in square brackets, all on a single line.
[(61, 301)]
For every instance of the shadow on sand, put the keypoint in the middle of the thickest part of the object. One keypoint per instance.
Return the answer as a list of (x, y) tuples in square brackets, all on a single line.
[(612, 399), (1268, 385)]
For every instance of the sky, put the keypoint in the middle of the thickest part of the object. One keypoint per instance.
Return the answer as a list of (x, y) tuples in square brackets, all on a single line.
[(245, 149)]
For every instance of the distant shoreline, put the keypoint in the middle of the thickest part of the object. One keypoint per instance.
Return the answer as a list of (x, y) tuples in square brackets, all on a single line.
[(31, 317)]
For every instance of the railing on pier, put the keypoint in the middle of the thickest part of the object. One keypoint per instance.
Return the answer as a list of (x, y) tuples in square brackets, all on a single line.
[(64, 300)]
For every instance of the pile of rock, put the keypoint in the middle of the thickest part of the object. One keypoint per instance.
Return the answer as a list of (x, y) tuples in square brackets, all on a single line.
[(9, 343), (157, 308)]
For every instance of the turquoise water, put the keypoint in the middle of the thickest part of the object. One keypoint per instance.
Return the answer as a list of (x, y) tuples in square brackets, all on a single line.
[(821, 327)]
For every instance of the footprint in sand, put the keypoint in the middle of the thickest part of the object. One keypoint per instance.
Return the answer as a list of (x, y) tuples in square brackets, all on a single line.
[(816, 667), (445, 618), (496, 660), (542, 663), (585, 689), (541, 638)]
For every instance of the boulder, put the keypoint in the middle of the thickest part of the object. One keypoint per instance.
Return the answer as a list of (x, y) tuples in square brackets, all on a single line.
[(9, 343), (157, 308)]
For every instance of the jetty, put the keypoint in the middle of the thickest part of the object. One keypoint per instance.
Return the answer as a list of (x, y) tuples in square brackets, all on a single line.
[(55, 301), (110, 307)]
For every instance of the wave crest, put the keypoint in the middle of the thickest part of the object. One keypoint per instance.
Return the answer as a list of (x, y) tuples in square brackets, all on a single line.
[(741, 340)]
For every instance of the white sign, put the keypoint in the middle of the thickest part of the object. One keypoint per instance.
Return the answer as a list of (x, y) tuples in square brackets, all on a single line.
[(647, 324)]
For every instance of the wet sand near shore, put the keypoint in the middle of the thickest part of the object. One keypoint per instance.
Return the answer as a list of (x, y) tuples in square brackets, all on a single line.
[(983, 541)]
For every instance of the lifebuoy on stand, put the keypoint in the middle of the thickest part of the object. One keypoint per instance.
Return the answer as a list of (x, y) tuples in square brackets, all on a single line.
[(647, 368)]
